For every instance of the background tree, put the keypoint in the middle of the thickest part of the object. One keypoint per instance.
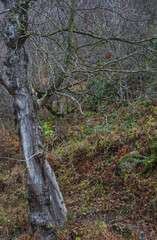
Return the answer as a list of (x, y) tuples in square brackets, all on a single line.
[(109, 48)]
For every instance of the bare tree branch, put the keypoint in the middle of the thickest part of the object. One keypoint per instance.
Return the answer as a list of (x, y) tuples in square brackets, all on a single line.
[(74, 99), (118, 13), (57, 83)]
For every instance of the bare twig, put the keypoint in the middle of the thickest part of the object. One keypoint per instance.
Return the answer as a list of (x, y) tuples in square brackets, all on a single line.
[(22, 160)]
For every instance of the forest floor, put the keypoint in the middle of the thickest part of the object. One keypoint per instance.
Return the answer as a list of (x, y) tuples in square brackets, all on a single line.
[(105, 164)]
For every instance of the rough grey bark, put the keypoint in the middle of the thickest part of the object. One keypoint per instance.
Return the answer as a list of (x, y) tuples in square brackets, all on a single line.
[(47, 210)]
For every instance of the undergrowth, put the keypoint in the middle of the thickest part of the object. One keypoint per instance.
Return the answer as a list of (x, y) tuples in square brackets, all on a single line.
[(105, 198)]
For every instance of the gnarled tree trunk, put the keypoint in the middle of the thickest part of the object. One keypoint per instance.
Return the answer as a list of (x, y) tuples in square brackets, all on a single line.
[(46, 206)]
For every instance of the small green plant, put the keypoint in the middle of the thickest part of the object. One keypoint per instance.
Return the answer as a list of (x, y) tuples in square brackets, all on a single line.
[(86, 130), (50, 225), (151, 121), (48, 132), (152, 145)]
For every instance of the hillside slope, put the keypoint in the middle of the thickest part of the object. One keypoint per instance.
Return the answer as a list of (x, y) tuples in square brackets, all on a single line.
[(106, 166)]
